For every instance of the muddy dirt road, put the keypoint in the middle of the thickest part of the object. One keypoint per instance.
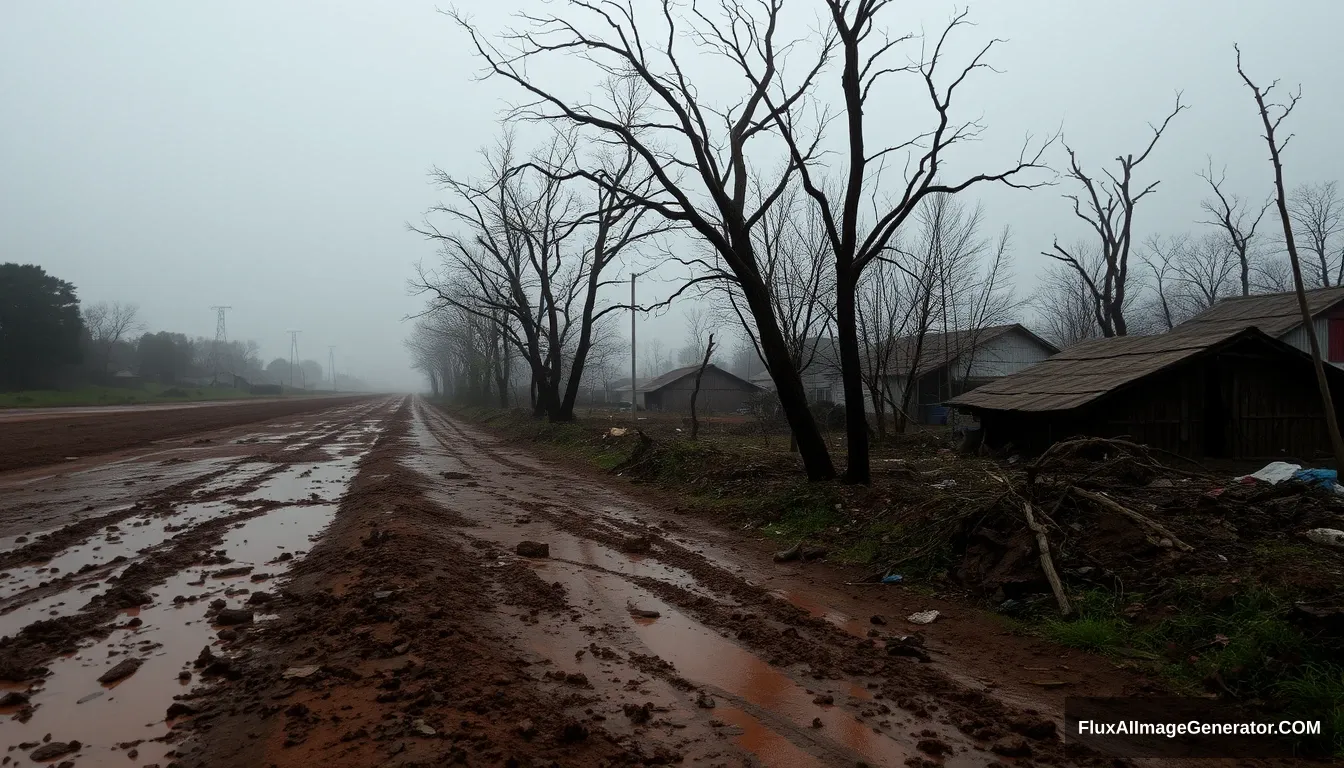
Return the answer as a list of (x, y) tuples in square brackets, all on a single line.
[(346, 588)]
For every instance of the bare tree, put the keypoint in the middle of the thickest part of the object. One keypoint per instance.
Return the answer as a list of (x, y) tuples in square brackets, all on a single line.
[(1064, 305), (109, 323), (1318, 216), (656, 362), (859, 236), (1232, 216), (698, 322), (1272, 116), (1107, 205), (1190, 275), (695, 151)]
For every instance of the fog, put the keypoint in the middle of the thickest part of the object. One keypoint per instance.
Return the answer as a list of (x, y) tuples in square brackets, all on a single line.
[(268, 156)]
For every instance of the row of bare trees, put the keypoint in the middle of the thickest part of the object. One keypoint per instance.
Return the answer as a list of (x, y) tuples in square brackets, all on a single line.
[(525, 252), (789, 203)]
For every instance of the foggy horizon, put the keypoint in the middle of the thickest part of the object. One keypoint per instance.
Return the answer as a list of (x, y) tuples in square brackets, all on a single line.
[(268, 157)]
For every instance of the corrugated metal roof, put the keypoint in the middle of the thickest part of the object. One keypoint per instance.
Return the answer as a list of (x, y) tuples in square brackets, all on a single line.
[(1273, 313), (1087, 371)]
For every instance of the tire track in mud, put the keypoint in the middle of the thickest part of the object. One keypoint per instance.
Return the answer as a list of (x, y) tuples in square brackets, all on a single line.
[(182, 527), (922, 711)]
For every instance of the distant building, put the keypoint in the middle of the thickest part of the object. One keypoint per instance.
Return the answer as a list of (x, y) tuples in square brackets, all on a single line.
[(941, 365), (720, 391), (1278, 315)]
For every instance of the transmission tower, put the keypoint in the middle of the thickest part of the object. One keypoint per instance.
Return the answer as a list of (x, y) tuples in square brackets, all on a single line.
[(221, 337), (293, 354), (331, 363)]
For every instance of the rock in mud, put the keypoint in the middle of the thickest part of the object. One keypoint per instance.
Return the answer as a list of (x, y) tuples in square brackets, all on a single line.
[(1011, 746), (13, 699), (1040, 729), (533, 549), (790, 554), (636, 545), (54, 749), (179, 709), (120, 672), (824, 700), (705, 701), (812, 553), (527, 730), (257, 598), (641, 613), (639, 715), (878, 620), (933, 746), (229, 573), (573, 732), (205, 658), (233, 617)]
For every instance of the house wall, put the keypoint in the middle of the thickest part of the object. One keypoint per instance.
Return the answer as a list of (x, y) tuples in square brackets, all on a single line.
[(1241, 403), (719, 393), (1006, 354), (1297, 338)]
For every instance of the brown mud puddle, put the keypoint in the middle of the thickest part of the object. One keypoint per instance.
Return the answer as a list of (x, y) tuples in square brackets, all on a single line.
[(255, 526)]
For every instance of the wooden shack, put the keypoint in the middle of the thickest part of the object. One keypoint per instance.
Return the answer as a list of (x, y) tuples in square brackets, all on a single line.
[(1215, 392)]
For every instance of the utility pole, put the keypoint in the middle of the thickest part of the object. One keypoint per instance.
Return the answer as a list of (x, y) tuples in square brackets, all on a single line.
[(221, 337), (331, 363), (293, 354)]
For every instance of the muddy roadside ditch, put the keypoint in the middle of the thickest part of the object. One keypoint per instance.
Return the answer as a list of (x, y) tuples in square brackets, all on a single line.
[(102, 619), (1250, 612)]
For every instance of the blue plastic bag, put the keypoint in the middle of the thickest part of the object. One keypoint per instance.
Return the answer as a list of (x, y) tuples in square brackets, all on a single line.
[(1322, 477)]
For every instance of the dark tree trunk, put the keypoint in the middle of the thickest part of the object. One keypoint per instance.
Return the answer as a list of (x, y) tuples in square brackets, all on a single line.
[(789, 386), (695, 393), (851, 364)]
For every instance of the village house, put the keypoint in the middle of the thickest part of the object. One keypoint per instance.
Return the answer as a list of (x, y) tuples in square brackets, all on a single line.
[(941, 365), (1278, 315), (1204, 389), (720, 391)]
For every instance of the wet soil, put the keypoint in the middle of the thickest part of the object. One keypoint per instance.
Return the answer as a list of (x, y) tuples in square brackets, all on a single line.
[(106, 601), (415, 634), (346, 588), (36, 439)]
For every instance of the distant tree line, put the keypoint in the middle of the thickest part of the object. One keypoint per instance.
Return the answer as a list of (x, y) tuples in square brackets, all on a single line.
[(49, 341)]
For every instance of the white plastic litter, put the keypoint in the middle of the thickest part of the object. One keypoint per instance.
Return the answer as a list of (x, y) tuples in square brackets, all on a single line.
[(1330, 537), (617, 432), (1274, 472), (923, 617)]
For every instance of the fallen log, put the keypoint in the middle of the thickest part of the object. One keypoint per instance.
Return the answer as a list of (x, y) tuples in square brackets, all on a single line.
[(1047, 563), (1144, 520)]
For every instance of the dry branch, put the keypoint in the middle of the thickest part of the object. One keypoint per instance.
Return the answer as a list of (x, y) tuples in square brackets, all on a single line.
[(1047, 564), (1144, 520)]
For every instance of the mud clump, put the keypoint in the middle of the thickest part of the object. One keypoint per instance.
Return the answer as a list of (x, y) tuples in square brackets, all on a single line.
[(121, 671), (533, 549), (54, 749), (636, 545), (228, 617)]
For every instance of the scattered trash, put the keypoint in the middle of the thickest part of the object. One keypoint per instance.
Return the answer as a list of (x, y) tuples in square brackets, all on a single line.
[(1326, 478), (1273, 473), (923, 617), (300, 673), (1330, 537), (893, 578), (618, 431), (423, 728)]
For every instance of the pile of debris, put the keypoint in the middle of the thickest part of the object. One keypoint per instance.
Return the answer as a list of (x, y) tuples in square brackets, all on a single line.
[(1096, 513)]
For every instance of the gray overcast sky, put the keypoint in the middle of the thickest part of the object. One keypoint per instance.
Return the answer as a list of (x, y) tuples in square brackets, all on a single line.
[(267, 154)]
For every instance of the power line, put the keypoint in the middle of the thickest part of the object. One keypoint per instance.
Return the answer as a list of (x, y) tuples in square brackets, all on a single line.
[(293, 354), (221, 337)]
